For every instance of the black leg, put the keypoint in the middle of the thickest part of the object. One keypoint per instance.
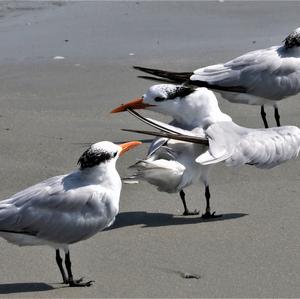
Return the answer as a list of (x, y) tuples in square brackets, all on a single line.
[(71, 281), (60, 266), (186, 210), (207, 198), (277, 116), (263, 115), (208, 214)]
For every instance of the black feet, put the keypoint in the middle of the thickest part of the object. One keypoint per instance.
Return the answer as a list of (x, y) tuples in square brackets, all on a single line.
[(70, 281), (209, 215), (186, 210), (79, 283), (188, 213)]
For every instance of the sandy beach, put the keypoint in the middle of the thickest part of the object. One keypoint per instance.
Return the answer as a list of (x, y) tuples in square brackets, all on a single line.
[(51, 109)]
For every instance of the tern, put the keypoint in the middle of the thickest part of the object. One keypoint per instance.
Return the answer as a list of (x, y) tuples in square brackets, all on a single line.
[(261, 77), (69, 208), (170, 165), (236, 145)]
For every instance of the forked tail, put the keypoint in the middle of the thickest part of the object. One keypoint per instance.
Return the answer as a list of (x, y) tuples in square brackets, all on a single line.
[(184, 78), (169, 76)]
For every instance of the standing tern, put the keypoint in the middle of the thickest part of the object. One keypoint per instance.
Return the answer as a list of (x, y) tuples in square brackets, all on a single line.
[(69, 208), (261, 77), (170, 165)]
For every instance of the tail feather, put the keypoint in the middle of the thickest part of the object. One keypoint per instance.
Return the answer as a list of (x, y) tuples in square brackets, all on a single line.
[(184, 77), (171, 76)]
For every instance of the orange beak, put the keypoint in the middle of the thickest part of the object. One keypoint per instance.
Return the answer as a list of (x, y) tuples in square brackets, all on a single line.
[(127, 146), (136, 104)]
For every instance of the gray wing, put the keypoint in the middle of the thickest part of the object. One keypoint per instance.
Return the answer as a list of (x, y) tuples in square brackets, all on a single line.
[(51, 212), (263, 148), (267, 148), (156, 144), (268, 73), (165, 174)]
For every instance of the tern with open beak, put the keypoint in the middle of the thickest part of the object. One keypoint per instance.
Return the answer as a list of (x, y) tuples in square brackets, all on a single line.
[(69, 208), (170, 165), (261, 77)]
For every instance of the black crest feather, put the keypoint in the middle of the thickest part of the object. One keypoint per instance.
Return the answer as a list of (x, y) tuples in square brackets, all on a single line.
[(91, 158), (178, 91), (293, 40)]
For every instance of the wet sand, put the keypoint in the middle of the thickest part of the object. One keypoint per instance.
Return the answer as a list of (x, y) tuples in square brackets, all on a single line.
[(52, 108)]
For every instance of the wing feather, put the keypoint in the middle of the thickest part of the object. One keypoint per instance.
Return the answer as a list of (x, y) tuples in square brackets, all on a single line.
[(263, 148), (56, 212), (267, 73)]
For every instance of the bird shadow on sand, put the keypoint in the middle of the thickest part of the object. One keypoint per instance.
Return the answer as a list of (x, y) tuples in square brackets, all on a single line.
[(160, 219), (24, 287)]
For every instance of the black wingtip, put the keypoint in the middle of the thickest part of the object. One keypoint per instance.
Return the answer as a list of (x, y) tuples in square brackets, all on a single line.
[(177, 77)]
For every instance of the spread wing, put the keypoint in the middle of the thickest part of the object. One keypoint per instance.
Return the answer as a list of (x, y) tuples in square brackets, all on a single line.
[(263, 148)]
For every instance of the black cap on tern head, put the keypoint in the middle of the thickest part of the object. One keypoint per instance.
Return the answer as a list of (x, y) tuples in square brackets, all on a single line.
[(98, 153), (293, 39)]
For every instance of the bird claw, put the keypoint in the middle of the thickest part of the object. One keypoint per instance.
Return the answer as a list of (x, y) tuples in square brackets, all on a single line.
[(79, 283), (188, 213), (80, 279), (209, 215)]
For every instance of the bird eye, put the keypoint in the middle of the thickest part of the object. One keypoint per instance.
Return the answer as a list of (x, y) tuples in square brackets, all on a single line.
[(115, 154)]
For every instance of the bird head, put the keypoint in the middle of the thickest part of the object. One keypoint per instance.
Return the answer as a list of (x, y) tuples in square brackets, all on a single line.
[(187, 105), (293, 39), (162, 98), (104, 152)]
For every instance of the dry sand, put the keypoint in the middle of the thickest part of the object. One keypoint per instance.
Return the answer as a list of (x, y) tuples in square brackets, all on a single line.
[(50, 110)]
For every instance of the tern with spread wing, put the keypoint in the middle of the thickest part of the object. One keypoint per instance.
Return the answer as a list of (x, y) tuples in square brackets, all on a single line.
[(236, 146), (261, 77), (69, 208), (170, 165)]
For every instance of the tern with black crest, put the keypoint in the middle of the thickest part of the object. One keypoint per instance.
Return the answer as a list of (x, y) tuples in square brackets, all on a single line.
[(236, 145), (170, 165), (69, 208), (261, 77)]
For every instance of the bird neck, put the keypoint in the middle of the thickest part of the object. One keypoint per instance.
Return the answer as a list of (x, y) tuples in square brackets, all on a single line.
[(289, 52), (104, 174), (200, 111)]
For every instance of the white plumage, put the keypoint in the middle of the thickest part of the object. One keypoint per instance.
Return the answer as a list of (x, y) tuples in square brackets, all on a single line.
[(170, 165), (228, 142), (263, 148), (68, 208), (267, 75), (261, 77), (236, 145)]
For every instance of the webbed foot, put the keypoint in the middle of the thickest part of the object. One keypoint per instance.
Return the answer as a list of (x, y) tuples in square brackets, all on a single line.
[(79, 283), (209, 215), (188, 213)]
